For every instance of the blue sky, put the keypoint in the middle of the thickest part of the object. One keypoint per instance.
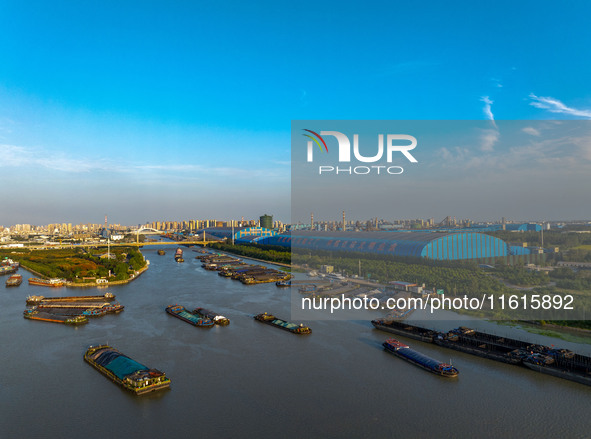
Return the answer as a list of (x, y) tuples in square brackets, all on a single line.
[(148, 111)]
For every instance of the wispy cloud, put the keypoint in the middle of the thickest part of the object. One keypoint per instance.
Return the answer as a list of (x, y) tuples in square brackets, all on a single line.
[(488, 139), (17, 156), (531, 131), (13, 156), (487, 107), (555, 106)]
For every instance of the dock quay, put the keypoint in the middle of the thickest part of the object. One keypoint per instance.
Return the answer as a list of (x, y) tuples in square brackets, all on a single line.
[(560, 363)]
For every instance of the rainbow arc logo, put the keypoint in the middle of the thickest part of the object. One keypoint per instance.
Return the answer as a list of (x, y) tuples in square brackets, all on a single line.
[(315, 139)]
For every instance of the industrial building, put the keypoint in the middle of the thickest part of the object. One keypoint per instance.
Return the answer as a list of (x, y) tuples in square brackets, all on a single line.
[(241, 234), (431, 245), (266, 221)]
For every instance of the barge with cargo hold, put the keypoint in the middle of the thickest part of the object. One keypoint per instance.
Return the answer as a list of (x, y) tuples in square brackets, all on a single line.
[(33, 300), (7, 269), (213, 316), (406, 353), (47, 282), (181, 312), (14, 281), (270, 319), (43, 316), (402, 328), (124, 371)]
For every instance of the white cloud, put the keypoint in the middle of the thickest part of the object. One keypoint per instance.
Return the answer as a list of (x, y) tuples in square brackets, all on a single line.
[(531, 131), (12, 156), (555, 106), (488, 139), (487, 107), (18, 156)]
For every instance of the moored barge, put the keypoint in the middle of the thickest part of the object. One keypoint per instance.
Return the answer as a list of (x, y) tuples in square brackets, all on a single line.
[(32, 300), (270, 319), (406, 353), (124, 371), (43, 316), (47, 282), (14, 281), (182, 313), (7, 269), (213, 316)]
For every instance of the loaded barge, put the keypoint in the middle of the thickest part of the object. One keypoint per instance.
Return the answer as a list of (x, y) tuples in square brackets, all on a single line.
[(402, 328), (14, 281), (124, 371), (213, 316), (560, 363), (406, 353), (33, 300), (47, 282), (270, 319), (180, 312), (43, 316), (7, 269)]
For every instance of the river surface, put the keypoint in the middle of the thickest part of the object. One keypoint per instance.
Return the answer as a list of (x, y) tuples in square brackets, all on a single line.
[(252, 380)]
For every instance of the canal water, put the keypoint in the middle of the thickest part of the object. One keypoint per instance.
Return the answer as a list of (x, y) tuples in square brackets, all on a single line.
[(252, 380)]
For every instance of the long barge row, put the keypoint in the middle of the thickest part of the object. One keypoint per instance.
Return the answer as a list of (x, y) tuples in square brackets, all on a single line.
[(124, 371), (232, 267), (560, 363)]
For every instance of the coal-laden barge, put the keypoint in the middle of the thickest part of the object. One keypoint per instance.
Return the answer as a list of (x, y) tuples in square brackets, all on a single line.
[(181, 312), (560, 363), (124, 371), (294, 328)]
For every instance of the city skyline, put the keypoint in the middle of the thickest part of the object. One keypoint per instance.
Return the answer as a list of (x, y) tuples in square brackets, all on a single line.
[(186, 108)]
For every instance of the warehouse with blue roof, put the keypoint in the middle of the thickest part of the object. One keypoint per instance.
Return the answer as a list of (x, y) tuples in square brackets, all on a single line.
[(433, 245)]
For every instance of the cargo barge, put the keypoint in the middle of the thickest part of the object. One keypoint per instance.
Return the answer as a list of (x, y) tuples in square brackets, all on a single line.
[(7, 269), (14, 281), (270, 319), (402, 328), (484, 345), (560, 363), (34, 314), (213, 316), (161, 252), (403, 351), (31, 300), (124, 371), (47, 282), (181, 313)]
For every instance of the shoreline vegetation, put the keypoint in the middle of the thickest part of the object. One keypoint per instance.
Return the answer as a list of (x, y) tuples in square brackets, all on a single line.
[(82, 268)]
